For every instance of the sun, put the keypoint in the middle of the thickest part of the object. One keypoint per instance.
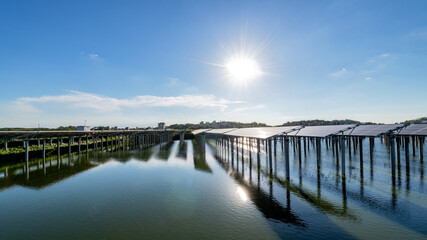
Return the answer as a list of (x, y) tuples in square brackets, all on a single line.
[(243, 69)]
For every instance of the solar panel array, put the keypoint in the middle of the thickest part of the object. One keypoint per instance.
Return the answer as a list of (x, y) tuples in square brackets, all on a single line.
[(221, 130), (261, 132), (198, 131), (414, 130), (372, 130), (320, 131)]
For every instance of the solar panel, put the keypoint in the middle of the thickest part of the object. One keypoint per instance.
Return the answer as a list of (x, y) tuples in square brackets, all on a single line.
[(221, 130), (198, 131), (372, 130), (414, 130), (261, 132), (320, 131)]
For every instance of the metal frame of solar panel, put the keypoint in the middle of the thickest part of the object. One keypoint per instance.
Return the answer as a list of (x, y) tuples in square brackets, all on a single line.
[(261, 132), (413, 130), (320, 131), (373, 130)]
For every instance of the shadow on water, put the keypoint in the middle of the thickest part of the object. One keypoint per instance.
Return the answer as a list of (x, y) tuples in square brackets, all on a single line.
[(265, 203), (199, 155), (182, 151), (305, 194), (164, 151), (378, 197), (50, 172)]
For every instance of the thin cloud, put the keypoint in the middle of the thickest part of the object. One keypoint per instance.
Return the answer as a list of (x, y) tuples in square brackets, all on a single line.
[(76, 99), (418, 34), (174, 82), (377, 63), (368, 78), (244, 109), (338, 73), (93, 55)]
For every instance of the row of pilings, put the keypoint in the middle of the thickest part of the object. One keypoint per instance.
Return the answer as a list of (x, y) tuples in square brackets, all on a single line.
[(342, 147), (98, 142)]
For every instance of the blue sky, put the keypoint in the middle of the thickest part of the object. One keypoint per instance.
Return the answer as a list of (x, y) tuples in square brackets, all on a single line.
[(135, 63)]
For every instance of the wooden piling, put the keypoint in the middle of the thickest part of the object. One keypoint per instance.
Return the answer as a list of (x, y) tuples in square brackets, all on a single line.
[(287, 170), (392, 155), (270, 158), (27, 158), (343, 156), (258, 145), (361, 156)]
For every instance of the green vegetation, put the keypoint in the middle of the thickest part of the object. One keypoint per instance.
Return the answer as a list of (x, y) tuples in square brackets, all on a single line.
[(61, 128), (69, 128), (25, 129), (418, 120), (17, 152), (318, 122), (215, 124), (100, 128)]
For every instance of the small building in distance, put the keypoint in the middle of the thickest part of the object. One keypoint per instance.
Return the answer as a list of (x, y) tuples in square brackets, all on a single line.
[(83, 128), (161, 125)]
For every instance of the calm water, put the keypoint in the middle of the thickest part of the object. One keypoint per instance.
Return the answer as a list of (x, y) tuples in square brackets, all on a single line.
[(175, 191)]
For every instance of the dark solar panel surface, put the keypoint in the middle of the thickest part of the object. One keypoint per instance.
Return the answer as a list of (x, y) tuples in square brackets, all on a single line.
[(414, 130), (372, 130), (320, 131)]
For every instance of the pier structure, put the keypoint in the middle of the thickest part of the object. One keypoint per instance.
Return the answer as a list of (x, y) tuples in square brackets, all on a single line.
[(343, 140)]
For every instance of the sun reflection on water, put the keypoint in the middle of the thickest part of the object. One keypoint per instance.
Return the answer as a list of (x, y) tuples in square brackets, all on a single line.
[(242, 194)]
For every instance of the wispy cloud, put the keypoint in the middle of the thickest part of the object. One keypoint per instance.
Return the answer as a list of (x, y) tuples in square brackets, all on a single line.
[(244, 109), (368, 78), (338, 73), (379, 58), (174, 82), (418, 34), (377, 63), (93, 55), (76, 99)]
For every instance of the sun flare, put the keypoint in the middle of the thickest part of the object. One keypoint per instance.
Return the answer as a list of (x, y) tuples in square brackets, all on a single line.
[(243, 69)]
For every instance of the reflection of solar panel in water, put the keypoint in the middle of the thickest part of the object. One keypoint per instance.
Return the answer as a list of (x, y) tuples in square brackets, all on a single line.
[(261, 132), (182, 151), (414, 130), (320, 131), (372, 130), (165, 150)]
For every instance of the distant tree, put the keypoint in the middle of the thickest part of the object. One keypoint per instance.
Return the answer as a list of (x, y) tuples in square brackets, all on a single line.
[(100, 128), (418, 120), (69, 128)]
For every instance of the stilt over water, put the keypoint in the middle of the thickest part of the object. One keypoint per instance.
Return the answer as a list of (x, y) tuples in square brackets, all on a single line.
[(334, 137)]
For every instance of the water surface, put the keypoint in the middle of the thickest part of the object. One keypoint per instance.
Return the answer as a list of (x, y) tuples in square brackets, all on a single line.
[(176, 190)]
